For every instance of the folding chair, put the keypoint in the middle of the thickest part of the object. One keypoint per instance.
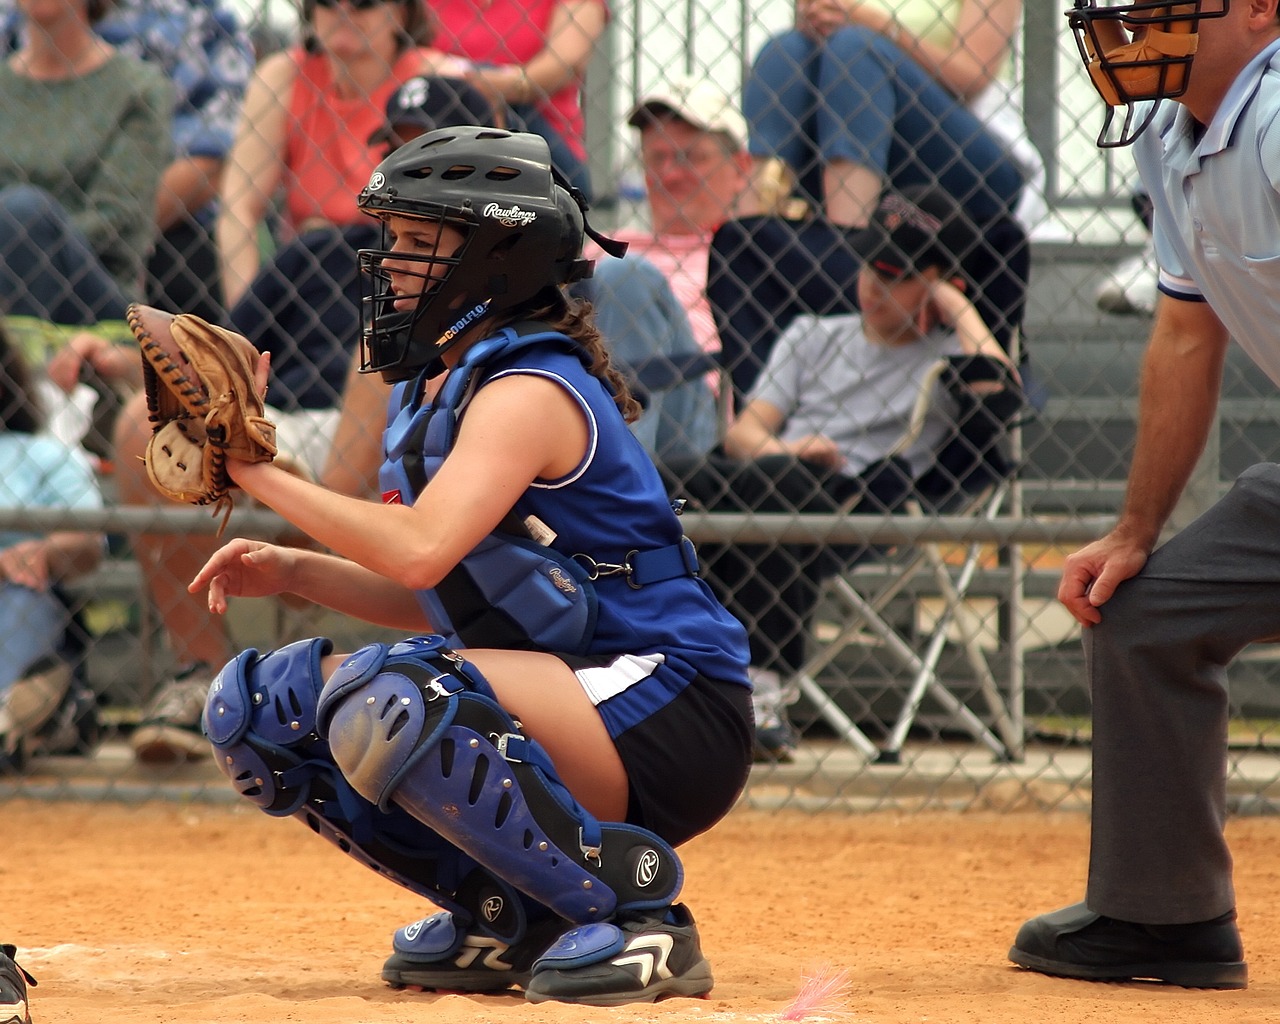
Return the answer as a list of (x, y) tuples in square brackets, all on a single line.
[(971, 476)]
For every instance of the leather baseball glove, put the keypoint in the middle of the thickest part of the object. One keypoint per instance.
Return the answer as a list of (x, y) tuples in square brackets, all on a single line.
[(203, 403)]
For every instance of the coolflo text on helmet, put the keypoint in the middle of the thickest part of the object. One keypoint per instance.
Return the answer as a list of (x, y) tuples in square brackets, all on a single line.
[(522, 231), (1138, 53)]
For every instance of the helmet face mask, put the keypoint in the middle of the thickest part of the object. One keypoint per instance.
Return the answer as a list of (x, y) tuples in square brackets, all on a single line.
[(522, 234), (1138, 53), (387, 338)]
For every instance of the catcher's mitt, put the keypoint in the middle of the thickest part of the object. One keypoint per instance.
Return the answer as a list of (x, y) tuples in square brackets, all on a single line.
[(203, 402)]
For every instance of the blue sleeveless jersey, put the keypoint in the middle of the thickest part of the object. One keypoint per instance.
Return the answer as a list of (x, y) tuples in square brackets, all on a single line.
[(612, 505)]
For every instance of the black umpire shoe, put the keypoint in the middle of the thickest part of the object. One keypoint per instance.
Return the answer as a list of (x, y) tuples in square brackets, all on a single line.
[(1074, 942), (13, 988)]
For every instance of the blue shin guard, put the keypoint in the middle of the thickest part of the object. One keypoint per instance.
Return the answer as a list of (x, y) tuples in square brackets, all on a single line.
[(416, 725), (261, 719)]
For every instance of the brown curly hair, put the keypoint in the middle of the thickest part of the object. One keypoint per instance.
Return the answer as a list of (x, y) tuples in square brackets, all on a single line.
[(575, 318)]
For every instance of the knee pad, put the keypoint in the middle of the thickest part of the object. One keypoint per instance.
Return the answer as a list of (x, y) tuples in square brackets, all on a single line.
[(416, 725), (260, 717)]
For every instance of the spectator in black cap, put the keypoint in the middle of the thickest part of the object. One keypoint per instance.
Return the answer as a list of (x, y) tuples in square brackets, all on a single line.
[(820, 427), (426, 103)]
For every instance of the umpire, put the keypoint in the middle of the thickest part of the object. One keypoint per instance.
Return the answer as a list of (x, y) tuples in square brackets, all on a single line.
[(1162, 625)]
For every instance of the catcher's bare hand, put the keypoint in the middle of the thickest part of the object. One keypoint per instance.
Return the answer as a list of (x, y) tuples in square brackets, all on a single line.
[(245, 568)]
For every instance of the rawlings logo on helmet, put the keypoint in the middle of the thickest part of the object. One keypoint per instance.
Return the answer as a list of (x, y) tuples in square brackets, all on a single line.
[(376, 182), (510, 216)]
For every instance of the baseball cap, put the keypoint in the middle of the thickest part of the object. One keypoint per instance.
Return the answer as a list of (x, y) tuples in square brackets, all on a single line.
[(919, 227), (428, 102), (696, 101)]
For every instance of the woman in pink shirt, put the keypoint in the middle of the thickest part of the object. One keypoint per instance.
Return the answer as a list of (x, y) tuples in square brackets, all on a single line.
[(530, 55)]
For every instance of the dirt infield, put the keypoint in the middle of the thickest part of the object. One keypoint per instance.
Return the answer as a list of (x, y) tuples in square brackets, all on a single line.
[(161, 912)]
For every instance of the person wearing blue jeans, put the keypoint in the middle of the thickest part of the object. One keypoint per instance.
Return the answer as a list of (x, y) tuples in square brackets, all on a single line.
[(44, 252), (855, 97), (36, 471), (851, 112)]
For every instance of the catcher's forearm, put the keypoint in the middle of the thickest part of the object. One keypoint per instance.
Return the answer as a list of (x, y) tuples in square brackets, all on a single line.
[(350, 589), (385, 539)]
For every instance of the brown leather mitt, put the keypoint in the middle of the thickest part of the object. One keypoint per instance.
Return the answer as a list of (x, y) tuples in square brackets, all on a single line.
[(203, 403)]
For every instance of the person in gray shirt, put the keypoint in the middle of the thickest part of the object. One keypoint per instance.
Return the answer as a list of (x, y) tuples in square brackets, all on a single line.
[(819, 430)]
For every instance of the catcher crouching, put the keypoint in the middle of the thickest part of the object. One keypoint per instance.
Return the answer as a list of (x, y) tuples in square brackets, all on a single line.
[(572, 701)]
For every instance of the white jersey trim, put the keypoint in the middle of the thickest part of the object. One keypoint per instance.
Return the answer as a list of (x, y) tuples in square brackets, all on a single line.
[(593, 432), (601, 682)]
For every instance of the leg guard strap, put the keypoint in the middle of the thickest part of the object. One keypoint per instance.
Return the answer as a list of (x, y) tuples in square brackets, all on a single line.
[(416, 725), (260, 717)]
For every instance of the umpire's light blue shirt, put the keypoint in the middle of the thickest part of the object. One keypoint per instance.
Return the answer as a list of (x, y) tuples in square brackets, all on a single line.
[(1216, 203)]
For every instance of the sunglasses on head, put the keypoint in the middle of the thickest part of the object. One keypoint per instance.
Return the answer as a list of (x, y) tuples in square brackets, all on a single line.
[(355, 5)]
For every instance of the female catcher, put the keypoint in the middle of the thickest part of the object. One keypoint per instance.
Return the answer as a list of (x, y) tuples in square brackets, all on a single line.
[(527, 760)]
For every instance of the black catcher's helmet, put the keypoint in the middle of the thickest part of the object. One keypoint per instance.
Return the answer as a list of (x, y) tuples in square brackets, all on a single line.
[(522, 226), (1137, 54)]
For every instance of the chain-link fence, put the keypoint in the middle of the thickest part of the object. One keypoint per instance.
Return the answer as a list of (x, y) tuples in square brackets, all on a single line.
[(910, 637)]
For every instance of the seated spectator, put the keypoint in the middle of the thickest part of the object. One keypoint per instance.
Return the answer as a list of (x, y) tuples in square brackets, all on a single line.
[(305, 126), (36, 471), (857, 98), (818, 431), (83, 142), (651, 304), (204, 52), (860, 95)]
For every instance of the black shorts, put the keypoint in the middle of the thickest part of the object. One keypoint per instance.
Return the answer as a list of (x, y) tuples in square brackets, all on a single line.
[(688, 762)]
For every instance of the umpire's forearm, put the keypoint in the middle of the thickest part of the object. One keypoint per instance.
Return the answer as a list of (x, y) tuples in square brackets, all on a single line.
[(1181, 381)]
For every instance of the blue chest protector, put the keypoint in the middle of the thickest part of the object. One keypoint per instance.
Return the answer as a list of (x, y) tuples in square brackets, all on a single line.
[(510, 591)]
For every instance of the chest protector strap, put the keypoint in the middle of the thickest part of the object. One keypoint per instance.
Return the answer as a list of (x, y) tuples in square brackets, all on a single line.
[(510, 591)]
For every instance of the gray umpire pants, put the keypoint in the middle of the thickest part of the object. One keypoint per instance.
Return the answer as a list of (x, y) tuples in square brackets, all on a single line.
[(1157, 667)]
